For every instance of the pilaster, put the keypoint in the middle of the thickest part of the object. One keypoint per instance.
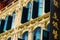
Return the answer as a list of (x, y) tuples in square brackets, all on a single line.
[(30, 34)]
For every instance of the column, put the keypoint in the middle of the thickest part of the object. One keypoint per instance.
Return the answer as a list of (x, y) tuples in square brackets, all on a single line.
[(15, 37), (17, 22), (31, 8), (30, 35), (19, 3), (42, 28), (43, 7), (41, 36), (18, 17), (20, 35)]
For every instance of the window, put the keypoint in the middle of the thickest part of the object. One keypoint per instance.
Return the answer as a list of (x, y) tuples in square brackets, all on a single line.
[(45, 35), (37, 8), (48, 27), (9, 23), (9, 38), (25, 36), (47, 6), (2, 26), (36, 34), (0, 22), (24, 15), (19, 39), (6, 20)]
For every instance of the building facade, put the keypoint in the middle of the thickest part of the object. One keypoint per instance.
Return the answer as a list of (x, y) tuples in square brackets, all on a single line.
[(25, 20)]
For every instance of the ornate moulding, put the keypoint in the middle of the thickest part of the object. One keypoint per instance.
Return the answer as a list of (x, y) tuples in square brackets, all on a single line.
[(31, 25)]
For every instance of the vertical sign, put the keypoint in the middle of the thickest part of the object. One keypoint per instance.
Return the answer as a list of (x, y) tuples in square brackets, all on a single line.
[(55, 24)]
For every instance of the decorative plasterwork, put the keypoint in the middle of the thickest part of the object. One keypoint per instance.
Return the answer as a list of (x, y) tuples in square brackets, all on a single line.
[(31, 25)]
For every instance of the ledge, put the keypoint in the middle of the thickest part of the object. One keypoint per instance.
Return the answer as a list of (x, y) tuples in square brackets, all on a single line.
[(25, 24)]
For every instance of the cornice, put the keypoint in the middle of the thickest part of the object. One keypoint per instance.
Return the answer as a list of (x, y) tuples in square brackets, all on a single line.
[(9, 9)]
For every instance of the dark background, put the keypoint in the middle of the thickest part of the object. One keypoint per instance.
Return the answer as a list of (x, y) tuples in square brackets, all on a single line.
[(54, 9), (3, 3)]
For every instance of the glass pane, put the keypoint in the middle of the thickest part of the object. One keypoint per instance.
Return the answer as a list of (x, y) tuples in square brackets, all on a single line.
[(37, 32), (6, 20), (9, 23), (2, 26), (9, 38), (13, 18), (29, 11), (25, 36), (41, 1), (40, 7), (45, 35), (40, 11), (0, 22)]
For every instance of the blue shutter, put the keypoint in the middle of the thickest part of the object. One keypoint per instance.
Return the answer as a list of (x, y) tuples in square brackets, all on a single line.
[(24, 15), (35, 10), (2, 26), (9, 23)]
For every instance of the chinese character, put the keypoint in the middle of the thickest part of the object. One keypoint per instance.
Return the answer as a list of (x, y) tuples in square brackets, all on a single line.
[(55, 16), (55, 24), (55, 34), (55, 3)]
